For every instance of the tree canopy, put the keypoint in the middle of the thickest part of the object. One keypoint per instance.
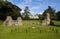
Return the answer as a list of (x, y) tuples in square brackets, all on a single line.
[(51, 11), (58, 15), (9, 9), (26, 13)]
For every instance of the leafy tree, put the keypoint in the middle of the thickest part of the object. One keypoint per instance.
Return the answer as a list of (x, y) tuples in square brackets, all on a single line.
[(26, 13), (9, 9), (40, 16), (58, 15), (51, 11), (1, 0)]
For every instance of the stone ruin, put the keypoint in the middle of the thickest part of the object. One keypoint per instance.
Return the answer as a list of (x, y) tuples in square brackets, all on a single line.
[(10, 22), (47, 20)]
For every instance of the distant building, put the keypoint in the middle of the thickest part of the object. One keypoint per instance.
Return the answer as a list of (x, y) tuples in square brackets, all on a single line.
[(34, 17)]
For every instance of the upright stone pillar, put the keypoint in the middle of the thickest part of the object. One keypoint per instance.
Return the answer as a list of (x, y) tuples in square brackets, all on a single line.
[(47, 20), (19, 21)]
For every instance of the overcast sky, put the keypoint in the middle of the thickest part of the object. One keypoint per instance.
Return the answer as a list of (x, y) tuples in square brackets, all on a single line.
[(37, 6)]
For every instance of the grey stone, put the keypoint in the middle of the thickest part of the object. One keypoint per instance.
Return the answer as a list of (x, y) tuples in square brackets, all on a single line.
[(47, 20), (10, 22)]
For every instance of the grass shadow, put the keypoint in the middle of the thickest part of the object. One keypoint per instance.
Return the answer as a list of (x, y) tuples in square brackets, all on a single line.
[(56, 25)]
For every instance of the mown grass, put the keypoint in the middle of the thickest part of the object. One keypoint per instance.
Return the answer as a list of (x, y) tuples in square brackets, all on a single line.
[(30, 31)]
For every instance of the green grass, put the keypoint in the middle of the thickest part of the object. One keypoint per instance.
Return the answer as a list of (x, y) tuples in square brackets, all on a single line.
[(30, 31)]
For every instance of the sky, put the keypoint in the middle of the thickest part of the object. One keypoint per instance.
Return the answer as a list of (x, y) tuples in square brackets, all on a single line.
[(37, 6)]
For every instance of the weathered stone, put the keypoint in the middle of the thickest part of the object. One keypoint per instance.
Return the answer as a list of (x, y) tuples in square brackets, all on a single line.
[(19, 21), (10, 22), (47, 20)]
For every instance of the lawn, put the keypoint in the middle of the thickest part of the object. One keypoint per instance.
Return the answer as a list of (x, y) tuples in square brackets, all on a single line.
[(30, 31)]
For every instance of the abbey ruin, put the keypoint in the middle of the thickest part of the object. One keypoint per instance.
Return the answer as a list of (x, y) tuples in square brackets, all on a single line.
[(47, 20), (10, 22)]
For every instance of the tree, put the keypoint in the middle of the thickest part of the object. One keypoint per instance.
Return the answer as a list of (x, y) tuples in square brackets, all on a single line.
[(58, 15), (26, 13), (51, 11), (1, 0), (9, 9), (40, 16)]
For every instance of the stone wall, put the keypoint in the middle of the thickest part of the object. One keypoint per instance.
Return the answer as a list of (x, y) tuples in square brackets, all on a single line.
[(10, 22)]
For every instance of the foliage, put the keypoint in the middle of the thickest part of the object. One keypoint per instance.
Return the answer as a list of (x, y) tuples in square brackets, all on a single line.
[(58, 15), (51, 11), (9, 9), (26, 13), (40, 17)]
